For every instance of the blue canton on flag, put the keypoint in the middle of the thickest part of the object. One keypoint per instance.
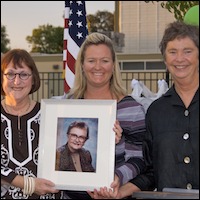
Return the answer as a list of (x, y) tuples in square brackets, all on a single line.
[(77, 22)]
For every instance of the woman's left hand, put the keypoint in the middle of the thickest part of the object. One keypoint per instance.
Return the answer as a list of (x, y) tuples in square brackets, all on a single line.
[(118, 131)]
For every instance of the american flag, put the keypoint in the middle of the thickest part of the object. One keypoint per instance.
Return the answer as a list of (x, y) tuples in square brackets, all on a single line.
[(75, 32)]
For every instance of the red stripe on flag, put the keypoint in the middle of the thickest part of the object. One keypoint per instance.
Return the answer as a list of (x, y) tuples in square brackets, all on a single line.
[(66, 25), (65, 44), (71, 62)]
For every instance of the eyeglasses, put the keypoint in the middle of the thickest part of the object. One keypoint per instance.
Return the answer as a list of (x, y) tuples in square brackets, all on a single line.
[(22, 76), (75, 137)]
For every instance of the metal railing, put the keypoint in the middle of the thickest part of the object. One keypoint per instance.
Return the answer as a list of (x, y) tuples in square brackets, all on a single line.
[(52, 83)]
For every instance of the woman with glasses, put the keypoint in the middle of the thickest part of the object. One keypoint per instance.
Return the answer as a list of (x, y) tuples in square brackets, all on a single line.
[(72, 156), (20, 119)]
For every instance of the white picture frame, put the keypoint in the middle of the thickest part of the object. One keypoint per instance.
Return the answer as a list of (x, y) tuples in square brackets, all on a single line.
[(54, 109)]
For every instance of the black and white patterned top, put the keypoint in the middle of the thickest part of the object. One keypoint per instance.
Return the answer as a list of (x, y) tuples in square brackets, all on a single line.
[(19, 151)]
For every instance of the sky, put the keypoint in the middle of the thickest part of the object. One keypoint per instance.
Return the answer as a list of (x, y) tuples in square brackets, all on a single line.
[(21, 17)]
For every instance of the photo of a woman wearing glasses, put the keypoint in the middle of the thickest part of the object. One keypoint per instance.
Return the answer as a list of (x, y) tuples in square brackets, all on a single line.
[(73, 156)]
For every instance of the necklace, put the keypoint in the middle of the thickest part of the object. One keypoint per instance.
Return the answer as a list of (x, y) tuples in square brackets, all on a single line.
[(19, 130), (11, 112)]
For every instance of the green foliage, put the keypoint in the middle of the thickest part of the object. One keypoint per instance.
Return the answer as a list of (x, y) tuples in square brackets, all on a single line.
[(4, 40), (46, 39), (49, 39), (178, 8), (101, 21)]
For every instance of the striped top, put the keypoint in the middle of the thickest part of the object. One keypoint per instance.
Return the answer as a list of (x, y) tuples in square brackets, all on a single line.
[(129, 157)]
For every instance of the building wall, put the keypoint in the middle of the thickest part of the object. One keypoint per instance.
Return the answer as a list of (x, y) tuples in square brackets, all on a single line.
[(48, 62), (54, 62), (143, 25)]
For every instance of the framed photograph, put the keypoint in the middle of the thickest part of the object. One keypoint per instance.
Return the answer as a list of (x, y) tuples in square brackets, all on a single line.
[(77, 143)]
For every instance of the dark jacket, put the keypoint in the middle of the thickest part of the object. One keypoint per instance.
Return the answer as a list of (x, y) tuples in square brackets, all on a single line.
[(171, 146), (64, 160)]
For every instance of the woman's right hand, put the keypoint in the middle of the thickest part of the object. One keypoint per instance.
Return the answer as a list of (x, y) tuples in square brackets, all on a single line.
[(43, 186), (105, 193)]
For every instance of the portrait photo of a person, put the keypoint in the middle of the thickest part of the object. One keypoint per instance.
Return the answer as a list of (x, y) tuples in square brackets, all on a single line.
[(73, 155)]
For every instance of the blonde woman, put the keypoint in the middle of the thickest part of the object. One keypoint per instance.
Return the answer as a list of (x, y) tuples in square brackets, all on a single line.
[(97, 76)]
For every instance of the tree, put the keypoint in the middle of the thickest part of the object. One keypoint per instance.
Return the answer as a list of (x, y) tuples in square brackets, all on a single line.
[(179, 8), (4, 40), (49, 39), (101, 21), (46, 39)]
